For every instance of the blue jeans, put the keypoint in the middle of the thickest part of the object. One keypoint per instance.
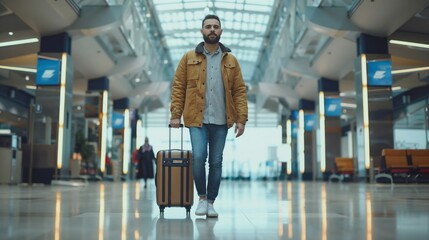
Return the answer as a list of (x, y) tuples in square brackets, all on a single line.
[(214, 136)]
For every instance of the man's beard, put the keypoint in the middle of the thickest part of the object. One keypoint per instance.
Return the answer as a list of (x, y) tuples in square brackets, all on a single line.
[(209, 40)]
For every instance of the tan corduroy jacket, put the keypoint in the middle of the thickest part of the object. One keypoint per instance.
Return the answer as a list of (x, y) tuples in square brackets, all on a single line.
[(189, 88)]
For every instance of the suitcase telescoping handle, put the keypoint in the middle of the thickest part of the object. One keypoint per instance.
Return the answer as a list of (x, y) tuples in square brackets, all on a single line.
[(169, 136)]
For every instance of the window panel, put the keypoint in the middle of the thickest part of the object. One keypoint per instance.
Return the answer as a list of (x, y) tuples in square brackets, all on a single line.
[(244, 23)]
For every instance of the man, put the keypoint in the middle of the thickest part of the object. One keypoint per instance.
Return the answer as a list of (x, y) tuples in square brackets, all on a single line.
[(208, 89)]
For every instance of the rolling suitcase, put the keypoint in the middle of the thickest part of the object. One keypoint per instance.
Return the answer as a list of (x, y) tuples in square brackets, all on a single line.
[(174, 179)]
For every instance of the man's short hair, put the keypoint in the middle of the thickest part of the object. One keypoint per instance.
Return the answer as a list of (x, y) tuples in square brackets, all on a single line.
[(210, 16)]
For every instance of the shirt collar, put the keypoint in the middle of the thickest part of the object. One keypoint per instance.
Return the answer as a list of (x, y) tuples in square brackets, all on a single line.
[(207, 52), (199, 48)]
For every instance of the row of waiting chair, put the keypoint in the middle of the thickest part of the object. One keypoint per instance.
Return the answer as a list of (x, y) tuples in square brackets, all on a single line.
[(405, 164), (343, 167), (395, 164)]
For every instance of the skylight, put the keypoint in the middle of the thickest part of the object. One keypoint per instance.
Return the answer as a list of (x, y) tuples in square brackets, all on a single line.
[(244, 24)]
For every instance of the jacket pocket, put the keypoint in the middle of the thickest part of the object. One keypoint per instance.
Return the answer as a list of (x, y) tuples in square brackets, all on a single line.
[(193, 72), (189, 111), (232, 113), (229, 71)]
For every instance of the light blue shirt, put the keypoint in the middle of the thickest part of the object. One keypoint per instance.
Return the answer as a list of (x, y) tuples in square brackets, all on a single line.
[(214, 110)]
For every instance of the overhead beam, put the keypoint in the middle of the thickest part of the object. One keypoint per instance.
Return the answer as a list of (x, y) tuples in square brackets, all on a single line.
[(331, 21), (96, 20), (299, 67)]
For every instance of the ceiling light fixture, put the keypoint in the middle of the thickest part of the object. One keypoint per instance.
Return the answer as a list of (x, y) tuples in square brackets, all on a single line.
[(348, 94), (410, 44), (31, 87), (22, 69), (348, 105), (18, 42), (410, 70)]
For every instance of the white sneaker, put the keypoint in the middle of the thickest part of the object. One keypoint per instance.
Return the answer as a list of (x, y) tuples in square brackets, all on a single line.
[(201, 208), (211, 212)]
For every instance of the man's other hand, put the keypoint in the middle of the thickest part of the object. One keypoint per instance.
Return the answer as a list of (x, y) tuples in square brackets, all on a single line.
[(239, 129)]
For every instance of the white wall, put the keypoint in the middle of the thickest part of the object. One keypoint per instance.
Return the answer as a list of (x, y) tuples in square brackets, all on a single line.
[(409, 138)]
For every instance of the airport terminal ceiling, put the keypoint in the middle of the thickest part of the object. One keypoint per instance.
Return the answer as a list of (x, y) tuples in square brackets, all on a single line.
[(283, 45), (244, 25)]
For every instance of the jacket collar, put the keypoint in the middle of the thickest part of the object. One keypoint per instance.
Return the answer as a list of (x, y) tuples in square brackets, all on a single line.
[(200, 48)]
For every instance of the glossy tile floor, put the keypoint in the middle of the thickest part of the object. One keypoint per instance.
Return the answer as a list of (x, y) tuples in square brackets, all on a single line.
[(247, 210)]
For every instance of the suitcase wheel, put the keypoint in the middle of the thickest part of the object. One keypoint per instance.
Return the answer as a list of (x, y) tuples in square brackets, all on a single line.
[(188, 210), (161, 209)]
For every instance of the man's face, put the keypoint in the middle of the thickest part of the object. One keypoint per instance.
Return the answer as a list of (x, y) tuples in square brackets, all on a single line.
[(211, 31)]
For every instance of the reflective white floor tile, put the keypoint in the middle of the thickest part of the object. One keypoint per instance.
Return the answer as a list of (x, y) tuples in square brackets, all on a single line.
[(247, 210)]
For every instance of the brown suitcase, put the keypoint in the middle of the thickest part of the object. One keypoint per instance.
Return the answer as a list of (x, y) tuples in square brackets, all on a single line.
[(174, 179)]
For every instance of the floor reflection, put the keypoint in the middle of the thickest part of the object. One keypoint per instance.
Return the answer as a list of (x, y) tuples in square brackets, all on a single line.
[(179, 228), (101, 214), (205, 228), (248, 210)]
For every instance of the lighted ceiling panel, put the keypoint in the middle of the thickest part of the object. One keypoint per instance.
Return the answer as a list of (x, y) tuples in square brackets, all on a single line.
[(244, 24)]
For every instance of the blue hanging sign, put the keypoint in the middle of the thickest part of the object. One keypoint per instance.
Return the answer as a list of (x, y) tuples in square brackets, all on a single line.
[(294, 129), (294, 115), (333, 107), (48, 72), (379, 73), (309, 122), (117, 120)]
